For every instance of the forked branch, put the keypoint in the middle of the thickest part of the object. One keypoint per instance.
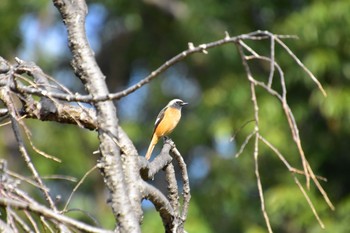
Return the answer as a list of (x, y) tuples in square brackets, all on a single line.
[(267, 86)]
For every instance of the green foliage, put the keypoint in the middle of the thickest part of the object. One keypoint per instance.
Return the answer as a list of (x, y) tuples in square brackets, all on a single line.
[(11, 13)]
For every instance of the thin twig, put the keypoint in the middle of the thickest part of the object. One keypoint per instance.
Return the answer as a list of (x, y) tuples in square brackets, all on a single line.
[(77, 186), (19, 220), (245, 143), (59, 177), (9, 122), (46, 225), (257, 35), (258, 180), (283, 99), (9, 219), (320, 188), (5, 96), (40, 152), (272, 62), (239, 129), (32, 221), (48, 213), (23, 178), (309, 202), (307, 171), (295, 134), (283, 159), (256, 132), (311, 75)]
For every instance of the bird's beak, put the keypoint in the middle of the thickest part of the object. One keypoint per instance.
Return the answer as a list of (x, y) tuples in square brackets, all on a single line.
[(184, 104)]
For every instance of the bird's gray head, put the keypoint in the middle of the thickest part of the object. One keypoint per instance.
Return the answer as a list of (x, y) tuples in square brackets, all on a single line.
[(176, 103)]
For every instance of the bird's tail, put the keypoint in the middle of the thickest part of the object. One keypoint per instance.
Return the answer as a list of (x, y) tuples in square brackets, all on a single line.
[(151, 146)]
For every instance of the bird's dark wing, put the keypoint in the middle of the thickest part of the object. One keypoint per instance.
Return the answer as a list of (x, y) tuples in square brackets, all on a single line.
[(159, 118)]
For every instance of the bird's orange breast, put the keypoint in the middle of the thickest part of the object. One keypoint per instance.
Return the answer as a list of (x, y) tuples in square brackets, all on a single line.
[(168, 123)]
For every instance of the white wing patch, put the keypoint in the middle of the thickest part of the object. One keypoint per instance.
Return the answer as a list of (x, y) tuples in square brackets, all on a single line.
[(157, 121)]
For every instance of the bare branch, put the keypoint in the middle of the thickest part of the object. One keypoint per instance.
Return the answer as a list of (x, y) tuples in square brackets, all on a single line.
[(258, 180), (149, 169), (319, 85), (5, 97), (245, 143), (117, 176), (42, 153), (42, 210), (307, 171), (309, 202), (77, 186), (5, 227), (272, 58), (98, 97), (32, 221), (17, 219), (46, 224), (186, 186), (172, 186), (161, 203)]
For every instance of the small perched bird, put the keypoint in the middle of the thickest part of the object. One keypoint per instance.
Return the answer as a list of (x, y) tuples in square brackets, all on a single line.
[(166, 122)]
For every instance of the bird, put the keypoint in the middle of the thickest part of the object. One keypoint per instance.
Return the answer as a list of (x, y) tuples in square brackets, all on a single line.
[(166, 121)]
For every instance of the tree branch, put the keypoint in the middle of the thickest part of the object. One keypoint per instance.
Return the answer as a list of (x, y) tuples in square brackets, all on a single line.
[(162, 205), (98, 97), (149, 169), (5, 97), (5, 227), (43, 211), (85, 66), (173, 192), (185, 184)]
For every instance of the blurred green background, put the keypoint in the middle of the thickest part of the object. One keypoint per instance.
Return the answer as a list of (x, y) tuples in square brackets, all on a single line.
[(132, 38)]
